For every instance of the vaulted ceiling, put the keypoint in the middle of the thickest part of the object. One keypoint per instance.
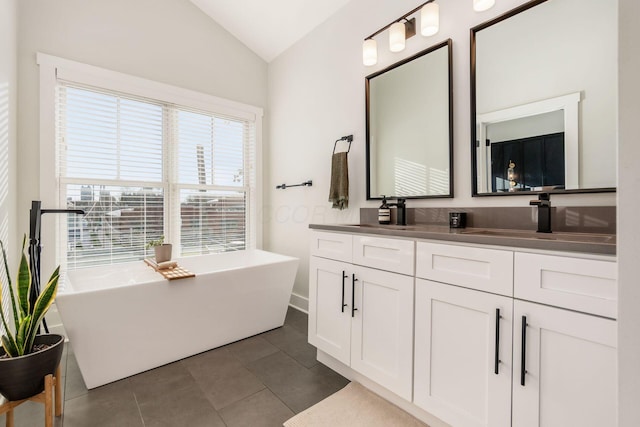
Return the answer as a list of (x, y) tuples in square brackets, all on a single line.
[(269, 27)]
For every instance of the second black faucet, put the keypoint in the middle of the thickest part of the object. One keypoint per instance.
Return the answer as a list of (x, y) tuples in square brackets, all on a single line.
[(544, 212)]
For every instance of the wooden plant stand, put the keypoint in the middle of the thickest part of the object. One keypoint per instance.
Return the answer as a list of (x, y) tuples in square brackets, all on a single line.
[(51, 382)]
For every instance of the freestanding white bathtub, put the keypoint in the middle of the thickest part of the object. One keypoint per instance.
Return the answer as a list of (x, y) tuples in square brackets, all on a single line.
[(126, 319)]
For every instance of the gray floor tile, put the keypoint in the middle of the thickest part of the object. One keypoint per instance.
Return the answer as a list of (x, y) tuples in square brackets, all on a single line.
[(222, 377), (74, 384), (263, 409), (113, 405), (230, 388), (156, 383), (184, 407), (294, 343), (329, 378), (296, 386), (251, 349), (298, 320), (30, 414), (212, 365)]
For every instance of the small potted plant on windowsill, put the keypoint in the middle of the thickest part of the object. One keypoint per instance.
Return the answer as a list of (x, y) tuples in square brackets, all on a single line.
[(26, 357), (162, 250)]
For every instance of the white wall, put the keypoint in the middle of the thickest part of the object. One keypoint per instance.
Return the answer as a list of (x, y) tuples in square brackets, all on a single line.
[(316, 95), (8, 67), (171, 41), (628, 208)]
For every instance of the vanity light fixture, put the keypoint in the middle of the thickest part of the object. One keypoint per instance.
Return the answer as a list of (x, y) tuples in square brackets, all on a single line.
[(369, 52), (397, 37), (482, 5), (429, 19), (400, 31)]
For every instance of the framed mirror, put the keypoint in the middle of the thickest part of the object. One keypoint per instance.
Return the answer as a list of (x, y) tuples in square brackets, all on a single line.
[(410, 127), (544, 99)]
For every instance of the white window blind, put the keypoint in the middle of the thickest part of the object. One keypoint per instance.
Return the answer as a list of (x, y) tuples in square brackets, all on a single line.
[(141, 169)]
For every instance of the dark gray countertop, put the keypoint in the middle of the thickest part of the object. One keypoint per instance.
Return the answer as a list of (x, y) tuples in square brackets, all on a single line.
[(604, 244)]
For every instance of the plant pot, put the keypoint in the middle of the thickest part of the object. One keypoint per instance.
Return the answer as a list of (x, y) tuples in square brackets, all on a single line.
[(163, 252), (22, 377)]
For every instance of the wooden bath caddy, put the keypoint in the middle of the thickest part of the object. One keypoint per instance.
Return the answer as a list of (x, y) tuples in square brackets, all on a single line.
[(171, 273)]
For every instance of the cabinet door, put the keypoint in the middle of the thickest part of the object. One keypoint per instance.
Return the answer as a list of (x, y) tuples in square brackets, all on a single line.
[(463, 356), (382, 329), (570, 364), (330, 307)]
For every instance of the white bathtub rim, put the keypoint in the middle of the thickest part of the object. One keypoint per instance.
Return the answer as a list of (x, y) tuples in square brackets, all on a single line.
[(69, 289)]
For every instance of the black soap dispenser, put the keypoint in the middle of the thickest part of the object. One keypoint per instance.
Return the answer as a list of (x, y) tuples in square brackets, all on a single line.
[(384, 213)]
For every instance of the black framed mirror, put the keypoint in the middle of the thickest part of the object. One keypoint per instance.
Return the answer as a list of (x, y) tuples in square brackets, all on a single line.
[(544, 99), (409, 125)]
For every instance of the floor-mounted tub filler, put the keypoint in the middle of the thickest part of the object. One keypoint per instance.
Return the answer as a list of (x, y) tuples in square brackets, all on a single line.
[(125, 319)]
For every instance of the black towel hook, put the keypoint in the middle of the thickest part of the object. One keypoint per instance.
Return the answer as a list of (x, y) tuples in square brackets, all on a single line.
[(348, 138)]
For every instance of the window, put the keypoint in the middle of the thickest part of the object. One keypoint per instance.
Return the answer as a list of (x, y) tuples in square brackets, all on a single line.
[(141, 168)]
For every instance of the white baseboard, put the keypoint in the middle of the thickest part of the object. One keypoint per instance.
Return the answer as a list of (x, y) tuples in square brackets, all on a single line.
[(299, 302), (352, 375)]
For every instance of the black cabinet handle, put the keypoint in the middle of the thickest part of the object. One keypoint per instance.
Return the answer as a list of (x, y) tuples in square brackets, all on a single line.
[(344, 276), (353, 295), (523, 370), (497, 359)]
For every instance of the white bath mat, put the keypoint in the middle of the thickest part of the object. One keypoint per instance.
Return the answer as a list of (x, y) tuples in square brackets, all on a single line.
[(353, 406)]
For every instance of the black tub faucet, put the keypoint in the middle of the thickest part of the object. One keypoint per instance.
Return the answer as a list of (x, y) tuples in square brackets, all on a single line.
[(544, 212)]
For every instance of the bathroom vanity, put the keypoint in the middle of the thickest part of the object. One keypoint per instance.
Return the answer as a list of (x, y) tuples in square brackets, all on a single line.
[(477, 328)]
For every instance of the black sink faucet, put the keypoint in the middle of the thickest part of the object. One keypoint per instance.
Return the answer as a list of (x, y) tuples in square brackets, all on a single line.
[(401, 211), (544, 212)]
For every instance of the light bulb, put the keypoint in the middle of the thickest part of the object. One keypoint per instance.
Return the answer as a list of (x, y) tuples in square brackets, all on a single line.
[(429, 19), (396, 37), (369, 52), (482, 5)]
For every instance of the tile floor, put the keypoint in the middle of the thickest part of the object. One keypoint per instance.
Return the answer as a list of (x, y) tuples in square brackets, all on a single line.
[(260, 381)]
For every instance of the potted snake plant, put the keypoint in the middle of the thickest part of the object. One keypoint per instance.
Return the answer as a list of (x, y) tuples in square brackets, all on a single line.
[(26, 357)]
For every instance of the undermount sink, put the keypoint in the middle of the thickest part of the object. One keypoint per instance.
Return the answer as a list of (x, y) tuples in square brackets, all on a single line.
[(523, 234)]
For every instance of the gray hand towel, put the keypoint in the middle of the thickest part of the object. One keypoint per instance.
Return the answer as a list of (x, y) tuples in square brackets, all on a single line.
[(339, 191)]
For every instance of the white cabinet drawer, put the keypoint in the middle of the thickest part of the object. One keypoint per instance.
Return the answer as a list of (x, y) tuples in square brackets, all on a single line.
[(336, 246), (484, 269), (384, 254), (586, 285)]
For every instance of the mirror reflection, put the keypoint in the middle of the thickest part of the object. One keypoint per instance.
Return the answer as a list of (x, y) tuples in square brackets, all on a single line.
[(409, 134), (544, 97)]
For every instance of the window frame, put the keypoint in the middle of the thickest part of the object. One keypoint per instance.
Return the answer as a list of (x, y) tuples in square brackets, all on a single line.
[(53, 69)]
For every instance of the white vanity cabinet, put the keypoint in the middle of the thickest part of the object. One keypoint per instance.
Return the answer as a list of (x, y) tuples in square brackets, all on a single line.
[(569, 357), (462, 368), (363, 316), (463, 355), (487, 319), (564, 371), (329, 307), (565, 361)]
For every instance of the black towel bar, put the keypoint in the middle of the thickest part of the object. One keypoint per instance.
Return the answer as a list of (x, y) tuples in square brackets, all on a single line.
[(304, 184)]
